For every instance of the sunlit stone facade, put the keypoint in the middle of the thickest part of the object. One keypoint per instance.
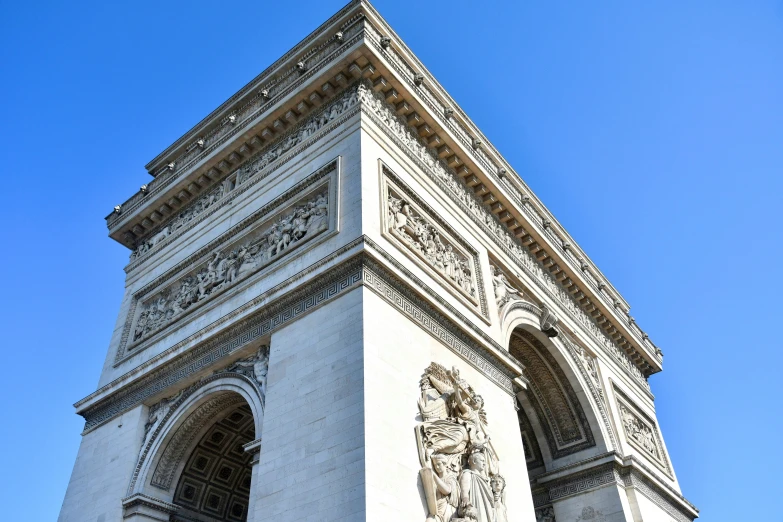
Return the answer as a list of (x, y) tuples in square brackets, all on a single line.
[(343, 304)]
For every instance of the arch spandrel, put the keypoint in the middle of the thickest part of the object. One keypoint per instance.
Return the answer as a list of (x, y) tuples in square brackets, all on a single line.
[(191, 413)]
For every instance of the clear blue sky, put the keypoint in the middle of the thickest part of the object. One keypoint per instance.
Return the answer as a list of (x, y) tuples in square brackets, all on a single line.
[(652, 130)]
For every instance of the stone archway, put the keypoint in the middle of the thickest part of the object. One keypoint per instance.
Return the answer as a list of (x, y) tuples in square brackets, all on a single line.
[(563, 417), (196, 459)]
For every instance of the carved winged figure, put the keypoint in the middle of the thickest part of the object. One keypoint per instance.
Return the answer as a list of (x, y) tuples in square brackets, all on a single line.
[(504, 292)]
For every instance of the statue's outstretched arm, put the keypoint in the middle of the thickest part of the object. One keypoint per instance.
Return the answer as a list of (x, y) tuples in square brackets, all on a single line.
[(441, 386)]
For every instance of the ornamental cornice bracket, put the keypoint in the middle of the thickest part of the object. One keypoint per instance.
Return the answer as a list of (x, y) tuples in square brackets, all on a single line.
[(439, 121)]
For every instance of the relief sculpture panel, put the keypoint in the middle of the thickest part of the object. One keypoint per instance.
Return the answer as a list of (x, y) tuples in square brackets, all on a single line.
[(460, 471), (284, 225), (641, 431), (411, 225)]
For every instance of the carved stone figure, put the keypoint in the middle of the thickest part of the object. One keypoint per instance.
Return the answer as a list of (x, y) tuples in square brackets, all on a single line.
[(225, 267), (504, 292), (157, 413), (419, 235), (453, 433), (545, 514), (477, 502), (446, 490), (498, 485), (256, 367)]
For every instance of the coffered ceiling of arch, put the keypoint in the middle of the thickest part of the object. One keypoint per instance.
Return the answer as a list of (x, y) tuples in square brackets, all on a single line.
[(556, 405), (215, 483)]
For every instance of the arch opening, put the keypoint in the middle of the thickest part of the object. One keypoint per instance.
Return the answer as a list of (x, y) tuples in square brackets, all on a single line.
[(214, 484), (198, 452)]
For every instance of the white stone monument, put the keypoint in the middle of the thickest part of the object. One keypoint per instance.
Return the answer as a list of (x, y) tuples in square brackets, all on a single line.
[(343, 304)]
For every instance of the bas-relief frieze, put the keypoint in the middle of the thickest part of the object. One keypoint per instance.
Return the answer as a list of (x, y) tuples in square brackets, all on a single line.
[(460, 469), (641, 431), (345, 276), (408, 222), (291, 220), (398, 130), (229, 265), (256, 168)]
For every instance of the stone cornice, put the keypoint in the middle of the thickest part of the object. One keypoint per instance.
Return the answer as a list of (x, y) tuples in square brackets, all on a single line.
[(399, 132), (274, 75), (367, 47), (474, 159), (262, 111)]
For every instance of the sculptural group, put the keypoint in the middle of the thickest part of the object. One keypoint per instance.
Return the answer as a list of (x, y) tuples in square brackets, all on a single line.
[(460, 470), (226, 267), (406, 224)]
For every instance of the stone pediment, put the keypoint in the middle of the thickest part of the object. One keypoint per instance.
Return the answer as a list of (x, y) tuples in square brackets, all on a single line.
[(357, 45)]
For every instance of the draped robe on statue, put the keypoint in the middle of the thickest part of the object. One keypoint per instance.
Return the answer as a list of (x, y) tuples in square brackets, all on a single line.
[(479, 494)]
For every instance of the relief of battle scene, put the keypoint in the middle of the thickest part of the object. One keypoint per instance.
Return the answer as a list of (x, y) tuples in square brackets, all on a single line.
[(418, 234), (460, 472), (228, 265)]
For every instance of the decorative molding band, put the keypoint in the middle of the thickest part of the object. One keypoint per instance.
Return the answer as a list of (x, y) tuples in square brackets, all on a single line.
[(271, 233), (641, 431), (348, 274), (384, 116), (256, 168), (132, 503), (299, 302), (607, 469), (436, 296), (396, 293), (237, 119), (449, 116), (596, 478), (661, 498), (408, 222)]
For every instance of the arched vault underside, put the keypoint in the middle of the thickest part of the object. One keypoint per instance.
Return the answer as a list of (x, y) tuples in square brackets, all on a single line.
[(557, 416), (215, 481)]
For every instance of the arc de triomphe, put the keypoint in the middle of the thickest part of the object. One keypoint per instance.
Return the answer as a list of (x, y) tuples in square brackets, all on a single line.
[(343, 304)]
